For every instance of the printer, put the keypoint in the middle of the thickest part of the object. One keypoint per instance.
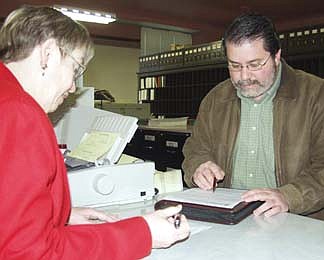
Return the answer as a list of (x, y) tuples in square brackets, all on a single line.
[(103, 181)]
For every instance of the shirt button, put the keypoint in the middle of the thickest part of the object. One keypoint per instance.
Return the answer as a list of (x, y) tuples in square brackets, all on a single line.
[(255, 105), (251, 175), (253, 128), (252, 152)]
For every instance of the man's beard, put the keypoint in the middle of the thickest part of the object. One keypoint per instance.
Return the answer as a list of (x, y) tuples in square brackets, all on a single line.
[(258, 88)]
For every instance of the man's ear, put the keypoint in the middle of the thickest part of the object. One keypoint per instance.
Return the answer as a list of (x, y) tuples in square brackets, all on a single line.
[(277, 57), (48, 49)]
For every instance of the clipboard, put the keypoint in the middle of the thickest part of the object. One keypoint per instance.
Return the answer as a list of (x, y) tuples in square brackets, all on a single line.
[(228, 216)]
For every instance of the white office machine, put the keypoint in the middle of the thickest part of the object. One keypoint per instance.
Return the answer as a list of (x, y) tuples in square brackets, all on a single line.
[(102, 181)]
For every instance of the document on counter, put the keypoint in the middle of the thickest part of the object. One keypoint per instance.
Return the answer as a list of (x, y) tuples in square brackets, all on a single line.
[(95, 145), (222, 197)]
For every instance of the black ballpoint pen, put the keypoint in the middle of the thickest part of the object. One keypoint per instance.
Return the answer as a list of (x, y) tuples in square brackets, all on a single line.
[(214, 184), (177, 220)]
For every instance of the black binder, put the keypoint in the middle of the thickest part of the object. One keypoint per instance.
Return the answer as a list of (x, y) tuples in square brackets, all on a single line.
[(211, 213)]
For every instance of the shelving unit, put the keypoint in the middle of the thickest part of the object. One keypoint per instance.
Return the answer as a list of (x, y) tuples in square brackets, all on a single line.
[(175, 82), (303, 48)]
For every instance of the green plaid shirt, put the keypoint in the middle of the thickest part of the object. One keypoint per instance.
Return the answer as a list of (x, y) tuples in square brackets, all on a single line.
[(253, 161)]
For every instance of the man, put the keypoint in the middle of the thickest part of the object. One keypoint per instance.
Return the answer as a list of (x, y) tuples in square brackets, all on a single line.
[(262, 129), (42, 53)]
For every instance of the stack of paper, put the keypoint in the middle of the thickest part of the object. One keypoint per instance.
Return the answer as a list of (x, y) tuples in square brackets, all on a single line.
[(168, 181), (169, 122)]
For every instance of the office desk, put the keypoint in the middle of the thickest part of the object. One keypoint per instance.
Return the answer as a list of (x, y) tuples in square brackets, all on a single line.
[(285, 236)]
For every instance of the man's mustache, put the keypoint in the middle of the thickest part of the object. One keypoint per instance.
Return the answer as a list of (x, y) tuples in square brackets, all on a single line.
[(248, 82)]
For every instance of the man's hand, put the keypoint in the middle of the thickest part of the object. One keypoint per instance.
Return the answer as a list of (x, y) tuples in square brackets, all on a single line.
[(274, 201), (89, 216), (163, 230), (206, 173)]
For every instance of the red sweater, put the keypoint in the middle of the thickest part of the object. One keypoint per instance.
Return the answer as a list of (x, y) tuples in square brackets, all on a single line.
[(35, 199)]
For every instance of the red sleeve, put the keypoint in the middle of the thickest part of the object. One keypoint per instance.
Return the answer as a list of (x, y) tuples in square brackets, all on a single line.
[(35, 202)]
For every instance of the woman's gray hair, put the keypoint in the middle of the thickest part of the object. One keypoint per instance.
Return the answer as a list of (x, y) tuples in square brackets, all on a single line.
[(29, 26)]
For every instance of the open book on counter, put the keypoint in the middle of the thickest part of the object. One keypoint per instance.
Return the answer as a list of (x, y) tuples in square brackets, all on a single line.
[(222, 206)]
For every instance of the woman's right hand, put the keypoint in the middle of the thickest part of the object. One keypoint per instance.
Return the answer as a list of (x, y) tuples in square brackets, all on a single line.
[(163, 230)]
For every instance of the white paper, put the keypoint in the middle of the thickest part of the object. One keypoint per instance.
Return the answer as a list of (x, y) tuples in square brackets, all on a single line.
[(197, 227), (222, 197)]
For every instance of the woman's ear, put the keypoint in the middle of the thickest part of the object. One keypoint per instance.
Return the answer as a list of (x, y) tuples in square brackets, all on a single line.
[(48, 50)]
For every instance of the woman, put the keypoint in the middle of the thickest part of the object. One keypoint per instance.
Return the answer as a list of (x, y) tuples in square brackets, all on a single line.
[(42, 53)]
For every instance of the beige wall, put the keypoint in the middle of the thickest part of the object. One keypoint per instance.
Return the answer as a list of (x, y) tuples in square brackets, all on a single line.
[(114, 69)]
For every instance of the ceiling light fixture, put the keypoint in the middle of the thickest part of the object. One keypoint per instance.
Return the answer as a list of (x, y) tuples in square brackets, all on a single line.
[(86, 15)]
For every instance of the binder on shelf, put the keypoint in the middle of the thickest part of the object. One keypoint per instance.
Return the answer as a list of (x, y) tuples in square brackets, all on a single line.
[(152, 94), (222, 206), (142, 83)]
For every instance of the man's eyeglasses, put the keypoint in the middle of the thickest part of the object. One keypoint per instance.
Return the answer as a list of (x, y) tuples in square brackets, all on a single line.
[(252, 66), (79, 70)]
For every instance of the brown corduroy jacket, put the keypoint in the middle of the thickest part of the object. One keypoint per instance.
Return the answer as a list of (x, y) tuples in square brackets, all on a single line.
[(298, 132)]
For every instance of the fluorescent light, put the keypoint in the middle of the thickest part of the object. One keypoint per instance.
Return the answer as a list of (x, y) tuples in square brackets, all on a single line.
[(86, 15)]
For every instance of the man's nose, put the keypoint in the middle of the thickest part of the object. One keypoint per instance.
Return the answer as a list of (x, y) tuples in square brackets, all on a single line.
[(245, 73)]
